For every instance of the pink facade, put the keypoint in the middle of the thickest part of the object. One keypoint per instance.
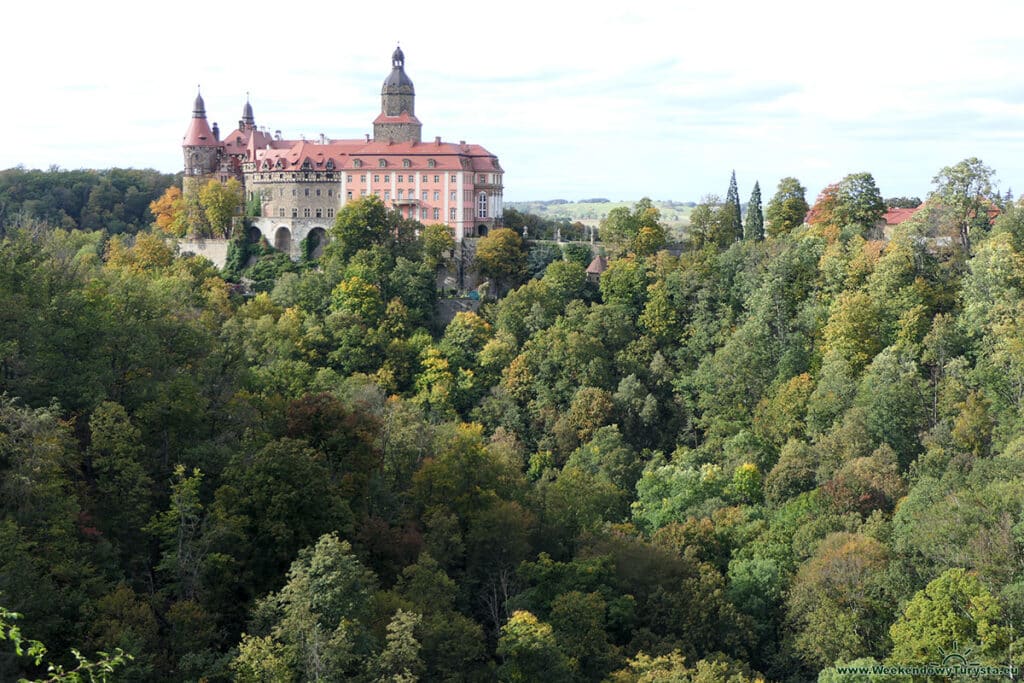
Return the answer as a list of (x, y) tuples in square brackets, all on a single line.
[(303, 182)]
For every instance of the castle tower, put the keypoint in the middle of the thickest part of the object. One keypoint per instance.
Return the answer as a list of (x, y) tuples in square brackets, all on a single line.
[(248, 121), (397, 121), (201, 147)]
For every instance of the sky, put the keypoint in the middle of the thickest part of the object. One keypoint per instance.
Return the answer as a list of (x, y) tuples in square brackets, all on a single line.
[(657, 99)]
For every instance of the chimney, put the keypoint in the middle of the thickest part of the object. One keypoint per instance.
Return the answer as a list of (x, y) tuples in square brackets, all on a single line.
[(216, 131), (437, 140), (367, 137), (277, 135), (323, 139)]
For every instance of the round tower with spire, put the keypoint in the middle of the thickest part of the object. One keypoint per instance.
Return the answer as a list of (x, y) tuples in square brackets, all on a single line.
[(248, 121), (201, 148), (397, 121)]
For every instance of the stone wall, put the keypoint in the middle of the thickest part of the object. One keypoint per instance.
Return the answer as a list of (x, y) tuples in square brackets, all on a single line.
[(214, 249)]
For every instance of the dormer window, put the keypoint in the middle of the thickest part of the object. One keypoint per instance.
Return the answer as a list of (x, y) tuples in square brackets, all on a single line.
[(278, 164), (357, 163), (406, 163), (383, 163), (330, 164), (431, 163), (306, 165)]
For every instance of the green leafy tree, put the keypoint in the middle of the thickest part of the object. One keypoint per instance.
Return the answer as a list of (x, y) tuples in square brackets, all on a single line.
[(639, 230), (221, 202), (359, 225), (438, 245), (966, 191), (317, 625), (954, 609), (578, 622), (279, 499), (99, 671), (787, 208), (838, 602), (529, 651), (399, 662), (733, 209), (858, 202), (122, 482), (500, 256), (753, 227), (710, 225), (181, 532), (672, 667), (539, 256)]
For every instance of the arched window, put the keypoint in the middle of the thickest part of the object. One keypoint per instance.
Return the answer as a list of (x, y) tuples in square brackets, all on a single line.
[(406, 163), (383, 163), (481, 206), (431, 163), (357, 163)]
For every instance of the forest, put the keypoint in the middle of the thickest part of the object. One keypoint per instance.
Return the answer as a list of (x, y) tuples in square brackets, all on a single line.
[(791, 444)]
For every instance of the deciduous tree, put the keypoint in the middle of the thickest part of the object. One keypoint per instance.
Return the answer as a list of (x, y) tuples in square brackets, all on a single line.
[(500, 256), (787, 208)]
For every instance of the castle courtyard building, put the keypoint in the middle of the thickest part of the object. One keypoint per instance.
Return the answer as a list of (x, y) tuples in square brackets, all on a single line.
[(301, 184)]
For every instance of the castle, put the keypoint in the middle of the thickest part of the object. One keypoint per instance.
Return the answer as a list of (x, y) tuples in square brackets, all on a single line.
[(300, 184)]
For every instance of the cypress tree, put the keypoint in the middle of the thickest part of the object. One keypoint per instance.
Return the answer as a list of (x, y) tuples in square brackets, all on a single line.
[(732, 201), (754, 227)]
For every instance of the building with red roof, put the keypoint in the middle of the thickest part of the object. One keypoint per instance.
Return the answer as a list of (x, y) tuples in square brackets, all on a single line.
[(301, 184)]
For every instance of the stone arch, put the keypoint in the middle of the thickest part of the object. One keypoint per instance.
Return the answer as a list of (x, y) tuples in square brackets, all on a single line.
[(283, 240), (481, 230), (315, 241), (253, 235)]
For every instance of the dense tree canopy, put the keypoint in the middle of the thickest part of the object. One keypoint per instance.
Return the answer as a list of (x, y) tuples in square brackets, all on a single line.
[(741, 460)]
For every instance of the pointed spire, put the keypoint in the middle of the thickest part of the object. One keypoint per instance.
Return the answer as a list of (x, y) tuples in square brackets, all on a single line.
[(199, 133), (199, 108), (398, 58), (247, 117)]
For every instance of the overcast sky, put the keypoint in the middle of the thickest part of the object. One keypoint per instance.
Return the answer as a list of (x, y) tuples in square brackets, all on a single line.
[(661, 99)]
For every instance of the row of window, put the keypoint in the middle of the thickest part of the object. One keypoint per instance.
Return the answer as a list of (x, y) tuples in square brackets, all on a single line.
[(383, 163), (307, 213), (401, 178), (435, 213)]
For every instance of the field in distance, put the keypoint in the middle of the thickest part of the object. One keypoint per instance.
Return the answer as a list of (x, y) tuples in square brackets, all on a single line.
[(590, 211)]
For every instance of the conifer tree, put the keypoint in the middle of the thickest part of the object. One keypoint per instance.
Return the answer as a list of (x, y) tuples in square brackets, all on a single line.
[(753, 229), (732, 203)]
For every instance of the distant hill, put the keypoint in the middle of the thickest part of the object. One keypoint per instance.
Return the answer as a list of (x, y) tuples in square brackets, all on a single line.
[(591, 211)]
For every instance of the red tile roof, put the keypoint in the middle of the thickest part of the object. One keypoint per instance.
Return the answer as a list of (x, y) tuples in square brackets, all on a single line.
[(199, 134), (237, 141), (897, 216), (447, 156)]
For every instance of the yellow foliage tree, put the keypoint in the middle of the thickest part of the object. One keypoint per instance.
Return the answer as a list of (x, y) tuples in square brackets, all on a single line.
[(169, 212), (221, 202)]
